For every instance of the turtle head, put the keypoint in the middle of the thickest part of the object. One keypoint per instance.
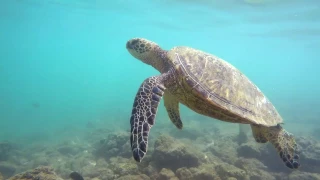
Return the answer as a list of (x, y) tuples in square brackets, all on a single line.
[(148, 52)]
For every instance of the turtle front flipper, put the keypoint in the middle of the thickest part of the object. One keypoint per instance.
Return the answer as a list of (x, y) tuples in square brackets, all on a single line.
[(284, 143), (172, 107), (143, 114)]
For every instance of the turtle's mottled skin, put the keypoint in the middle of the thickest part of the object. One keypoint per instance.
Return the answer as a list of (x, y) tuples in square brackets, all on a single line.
[(209, 86)]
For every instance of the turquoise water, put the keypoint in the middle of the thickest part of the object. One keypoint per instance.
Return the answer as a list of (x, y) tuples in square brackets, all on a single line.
[(70, 58), (64, 63)]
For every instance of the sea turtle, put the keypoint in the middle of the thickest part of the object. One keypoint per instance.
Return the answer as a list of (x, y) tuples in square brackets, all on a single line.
[(209, 86)]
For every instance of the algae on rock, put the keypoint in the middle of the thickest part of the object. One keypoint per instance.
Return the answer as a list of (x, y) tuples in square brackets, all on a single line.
[(166, 174), (116, 144), (227, 171), (203, 172), (134, 177), (43, 172), (172, 154)]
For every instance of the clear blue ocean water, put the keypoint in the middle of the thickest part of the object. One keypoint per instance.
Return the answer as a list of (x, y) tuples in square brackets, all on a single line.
[(64, 63)]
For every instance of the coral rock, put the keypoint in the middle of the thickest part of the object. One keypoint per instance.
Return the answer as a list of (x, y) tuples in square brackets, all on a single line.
[(250, 150), (184, 173), (310, 153), (226, 171), (225, 149), (122, 166), (254, 168), (167, 174), (116, 144), (172, 154), (43, 172), (134, 177), (203, 172), (302, 176)]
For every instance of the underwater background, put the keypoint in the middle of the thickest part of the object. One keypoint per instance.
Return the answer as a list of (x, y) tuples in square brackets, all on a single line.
[(67, 81)]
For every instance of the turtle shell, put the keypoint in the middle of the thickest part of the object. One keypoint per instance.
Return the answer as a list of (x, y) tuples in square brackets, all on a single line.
[(215, 88)]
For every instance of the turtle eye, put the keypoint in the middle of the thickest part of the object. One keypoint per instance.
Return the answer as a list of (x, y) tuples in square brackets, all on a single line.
[(134, 42)]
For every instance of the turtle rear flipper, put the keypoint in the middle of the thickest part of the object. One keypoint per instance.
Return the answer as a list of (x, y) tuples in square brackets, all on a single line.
[(284, 143), (143, 114), (172, 107)]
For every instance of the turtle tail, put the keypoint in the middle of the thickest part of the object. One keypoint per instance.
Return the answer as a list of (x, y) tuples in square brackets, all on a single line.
[(282, 140)]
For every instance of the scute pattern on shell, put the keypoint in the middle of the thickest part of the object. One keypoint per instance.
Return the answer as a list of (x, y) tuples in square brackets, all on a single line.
[(228, 93)]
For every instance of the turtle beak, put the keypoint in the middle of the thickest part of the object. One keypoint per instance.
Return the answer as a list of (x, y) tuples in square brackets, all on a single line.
[(128, 45), (131, 43)]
